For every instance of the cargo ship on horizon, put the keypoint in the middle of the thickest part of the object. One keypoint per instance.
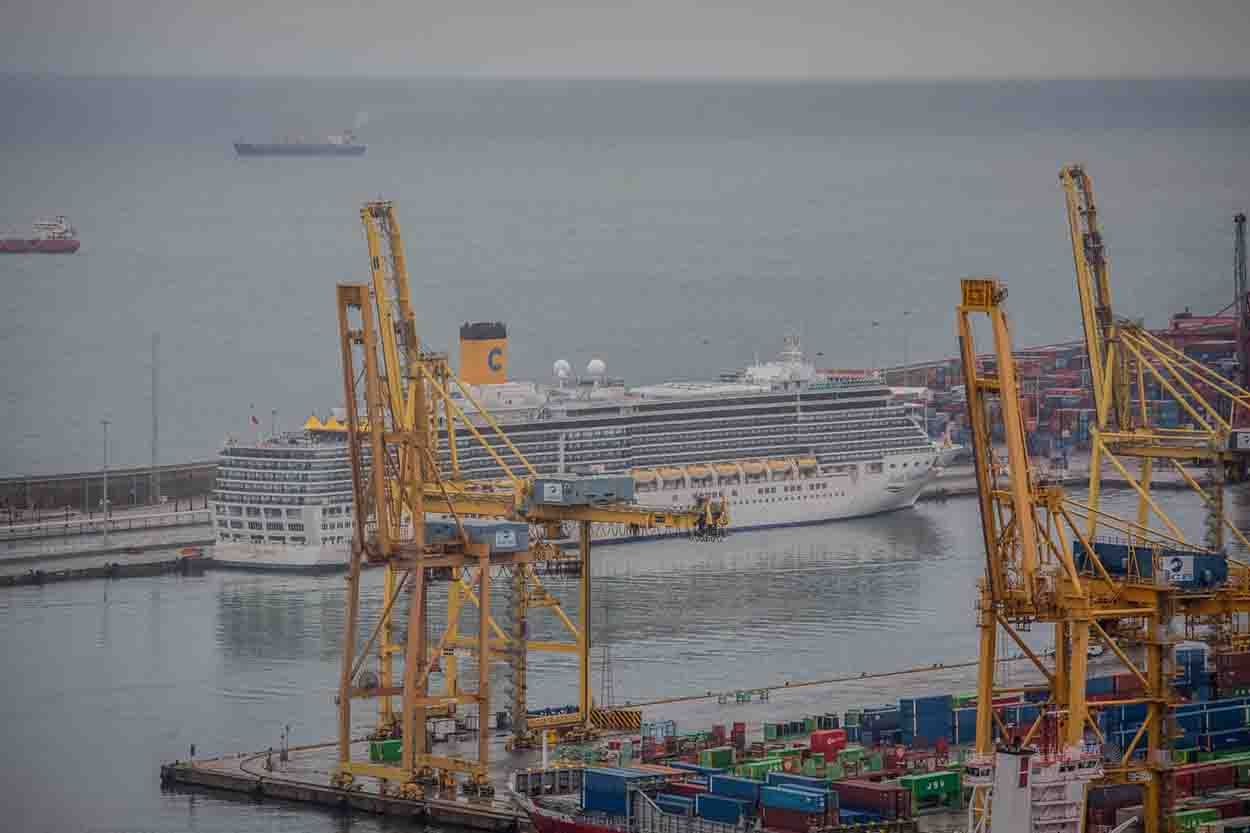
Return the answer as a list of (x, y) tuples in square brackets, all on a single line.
[(341, 145), (55, 236)]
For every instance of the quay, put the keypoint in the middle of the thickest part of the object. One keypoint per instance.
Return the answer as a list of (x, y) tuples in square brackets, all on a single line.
[(305, 778)]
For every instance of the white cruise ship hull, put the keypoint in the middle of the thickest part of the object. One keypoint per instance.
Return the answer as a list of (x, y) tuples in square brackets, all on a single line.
[(818, 499), (294, 558)]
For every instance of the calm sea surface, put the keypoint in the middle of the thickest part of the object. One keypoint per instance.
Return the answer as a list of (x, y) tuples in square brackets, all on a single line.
[(104, 680), (674, 230)]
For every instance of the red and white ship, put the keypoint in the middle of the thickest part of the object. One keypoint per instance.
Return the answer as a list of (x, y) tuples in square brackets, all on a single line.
[(55, 236)]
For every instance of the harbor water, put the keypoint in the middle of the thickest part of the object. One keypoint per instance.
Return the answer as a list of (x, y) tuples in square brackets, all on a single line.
[(672, 230), (105, 680)]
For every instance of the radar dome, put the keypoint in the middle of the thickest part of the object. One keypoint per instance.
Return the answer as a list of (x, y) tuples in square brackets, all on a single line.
[(596, 367), (561, 369)]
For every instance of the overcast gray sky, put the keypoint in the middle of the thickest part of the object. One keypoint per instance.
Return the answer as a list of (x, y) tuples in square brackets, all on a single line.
[(632, 38)]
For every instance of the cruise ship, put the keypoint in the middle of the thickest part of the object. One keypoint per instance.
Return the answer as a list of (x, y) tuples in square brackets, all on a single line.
[(779, 442)]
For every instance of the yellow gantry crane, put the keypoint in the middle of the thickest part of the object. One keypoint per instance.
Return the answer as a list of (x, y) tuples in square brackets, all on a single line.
[(1044, 567), (417, 518), (1124, 358)]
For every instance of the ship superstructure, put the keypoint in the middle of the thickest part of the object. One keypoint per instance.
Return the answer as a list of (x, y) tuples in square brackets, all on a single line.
[(1032, 790), (284, 501)]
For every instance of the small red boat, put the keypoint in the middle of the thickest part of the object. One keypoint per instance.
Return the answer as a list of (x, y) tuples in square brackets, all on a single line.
[(55, 236)]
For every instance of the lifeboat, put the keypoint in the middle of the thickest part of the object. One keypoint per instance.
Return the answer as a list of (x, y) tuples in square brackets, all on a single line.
[(504, 484), (644, 476), (807, 464), (753, 469), (779, 465), (671, 475), (699, 472)]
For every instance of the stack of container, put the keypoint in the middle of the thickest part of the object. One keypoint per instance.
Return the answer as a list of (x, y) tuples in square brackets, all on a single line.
[(721, 808), (828, 742), (925, 720), (738, 737), (746, 790), (606, 789), (797, 804), (720, 757), (928, 789), (1232, 672), (676, 805), (886, 801), (880, 725)]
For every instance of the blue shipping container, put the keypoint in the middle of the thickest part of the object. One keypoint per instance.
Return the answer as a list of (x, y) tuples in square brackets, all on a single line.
[(612, 803), (803, 782), (1099, 685), (793, 798), (719, 808), (734, 787), (677, 805)]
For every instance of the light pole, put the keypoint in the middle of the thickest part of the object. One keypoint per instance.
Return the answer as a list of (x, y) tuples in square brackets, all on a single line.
[(105, 423), (906, 348), (875, 345), (273, 423)]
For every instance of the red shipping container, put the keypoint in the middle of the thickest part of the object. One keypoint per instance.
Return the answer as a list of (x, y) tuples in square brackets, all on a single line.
[(828, 741), (1229, 808), (1239, 660), (1127, 684), (685, 788), (1217, 777), (890, 802), (779, 819)]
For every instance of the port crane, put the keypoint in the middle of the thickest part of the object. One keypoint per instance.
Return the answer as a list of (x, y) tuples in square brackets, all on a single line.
[(1125, 358), (408, 419), (1044, 567)]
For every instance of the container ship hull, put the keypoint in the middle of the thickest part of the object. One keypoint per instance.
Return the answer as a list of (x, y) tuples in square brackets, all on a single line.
[(298, 149), (23, 246)]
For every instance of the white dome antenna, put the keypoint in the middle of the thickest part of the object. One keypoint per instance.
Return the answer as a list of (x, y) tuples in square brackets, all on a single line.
[(596, 368), (561, 370)]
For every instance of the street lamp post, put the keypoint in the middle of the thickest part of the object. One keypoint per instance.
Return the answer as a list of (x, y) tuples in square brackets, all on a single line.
[(875, 346), (105, 423), (906, 346)]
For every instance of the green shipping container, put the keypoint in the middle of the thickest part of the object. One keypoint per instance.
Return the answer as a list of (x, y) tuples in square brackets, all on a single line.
[(1188, 820), (770, 731), (834, 771), (852, 717), (851, 754), (809, 724), (720, 757), (385, 751), (874, 762)]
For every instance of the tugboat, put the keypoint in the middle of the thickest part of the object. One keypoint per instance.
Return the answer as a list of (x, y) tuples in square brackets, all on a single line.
[(55, 236)]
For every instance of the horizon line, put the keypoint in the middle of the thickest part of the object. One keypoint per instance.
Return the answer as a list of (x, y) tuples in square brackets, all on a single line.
[(621, 79)]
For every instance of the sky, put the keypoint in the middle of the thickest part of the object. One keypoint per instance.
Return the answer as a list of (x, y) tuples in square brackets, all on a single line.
[(766, 39)]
